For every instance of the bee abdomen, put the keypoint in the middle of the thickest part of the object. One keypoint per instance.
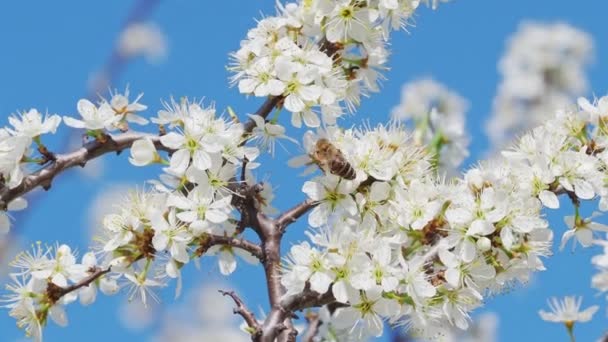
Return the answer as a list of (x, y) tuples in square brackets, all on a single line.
[(342, 168)]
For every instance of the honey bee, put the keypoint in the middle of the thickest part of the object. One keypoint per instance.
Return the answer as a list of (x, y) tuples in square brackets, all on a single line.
[(330, 159)]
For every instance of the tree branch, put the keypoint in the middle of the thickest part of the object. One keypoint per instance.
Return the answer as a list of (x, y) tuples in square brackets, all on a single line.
[(293, 214), (244, 312), (80, 157), (271, 245), (212, 240), (267, 229), (278, 325), (94, 149), (56, 292), (307, 299)]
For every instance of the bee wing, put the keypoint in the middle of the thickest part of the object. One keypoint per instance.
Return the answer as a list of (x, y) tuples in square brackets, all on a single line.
[(299, 161), (308, 170)]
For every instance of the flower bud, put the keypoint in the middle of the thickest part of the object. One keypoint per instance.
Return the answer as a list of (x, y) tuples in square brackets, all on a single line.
[(484, 244), (143, 152)]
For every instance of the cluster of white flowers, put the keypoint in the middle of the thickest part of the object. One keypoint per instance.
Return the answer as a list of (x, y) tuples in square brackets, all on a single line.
[(16, 153), (543, 70), (154, 233), (399, 244), (390, 239), (320, 55), (38, 285), (437, 115), (192, 200), (201, 142), (26, 128)]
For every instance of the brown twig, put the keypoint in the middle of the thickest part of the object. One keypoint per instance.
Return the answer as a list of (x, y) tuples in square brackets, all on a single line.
[(212, 240), (56, 292), (244, 312)]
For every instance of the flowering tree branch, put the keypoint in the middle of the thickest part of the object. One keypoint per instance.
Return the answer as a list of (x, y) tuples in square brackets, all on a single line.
[(94, 149), (271, 232), (271, 244), (389, 238), (90, 150)]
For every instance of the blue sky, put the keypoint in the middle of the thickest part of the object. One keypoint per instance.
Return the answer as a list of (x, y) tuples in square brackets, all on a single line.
[(51, 49)]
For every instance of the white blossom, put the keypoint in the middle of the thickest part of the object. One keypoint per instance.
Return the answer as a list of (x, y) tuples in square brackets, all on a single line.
[(32, 124), (143, 152), (582, 229), (567, 311), (93, 117), (126, 109)]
